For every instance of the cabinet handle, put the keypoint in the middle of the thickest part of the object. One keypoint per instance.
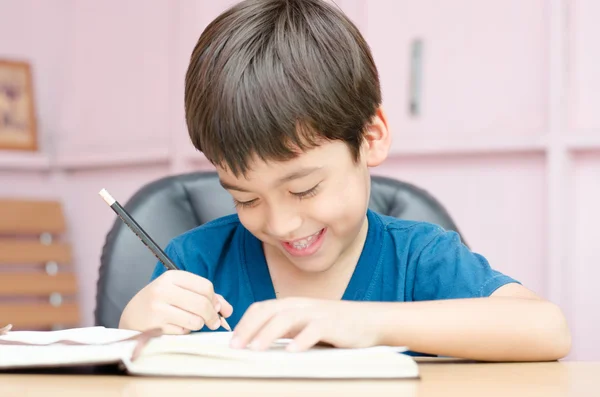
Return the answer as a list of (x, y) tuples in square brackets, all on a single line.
[(416, 64)]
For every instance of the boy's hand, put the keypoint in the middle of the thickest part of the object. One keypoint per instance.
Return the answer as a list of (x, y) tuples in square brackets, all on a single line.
[(309, 321), (178, 302)]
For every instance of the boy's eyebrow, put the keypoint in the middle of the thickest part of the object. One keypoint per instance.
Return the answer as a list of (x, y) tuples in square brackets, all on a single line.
[(302, 172), (228, 186)]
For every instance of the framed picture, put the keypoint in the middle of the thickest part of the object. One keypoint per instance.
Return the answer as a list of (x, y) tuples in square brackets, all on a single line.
[(18, 128)]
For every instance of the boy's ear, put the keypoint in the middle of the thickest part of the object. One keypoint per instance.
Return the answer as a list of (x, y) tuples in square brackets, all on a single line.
[(377, 139)]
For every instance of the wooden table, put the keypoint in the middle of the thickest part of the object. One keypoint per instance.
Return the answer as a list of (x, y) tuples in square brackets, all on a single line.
[(438, 378)]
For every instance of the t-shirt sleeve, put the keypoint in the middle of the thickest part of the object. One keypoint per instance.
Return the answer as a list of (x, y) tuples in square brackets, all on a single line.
[(171, 252), (447, 269)]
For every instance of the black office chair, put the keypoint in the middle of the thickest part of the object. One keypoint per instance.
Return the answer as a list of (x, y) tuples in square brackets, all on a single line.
[(172, 205)]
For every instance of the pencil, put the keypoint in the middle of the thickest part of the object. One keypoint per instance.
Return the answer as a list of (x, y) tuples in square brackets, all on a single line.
[(146, 239)]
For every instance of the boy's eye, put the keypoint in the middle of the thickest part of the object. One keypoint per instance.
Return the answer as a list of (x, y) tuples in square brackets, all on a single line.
[(251, 203), (244, 204), (307, 193)]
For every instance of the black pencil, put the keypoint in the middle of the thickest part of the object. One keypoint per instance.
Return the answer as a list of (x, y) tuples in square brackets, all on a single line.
[(145, 238)]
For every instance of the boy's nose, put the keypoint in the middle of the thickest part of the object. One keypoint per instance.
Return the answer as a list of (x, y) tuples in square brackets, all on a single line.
[(282, 223)]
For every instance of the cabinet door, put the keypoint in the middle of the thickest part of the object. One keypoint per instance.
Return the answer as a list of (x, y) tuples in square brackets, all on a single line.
[(460, 70), (584, 64)]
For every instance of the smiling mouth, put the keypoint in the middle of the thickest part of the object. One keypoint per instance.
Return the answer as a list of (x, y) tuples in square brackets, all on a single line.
[(306, 246), (305, 242)]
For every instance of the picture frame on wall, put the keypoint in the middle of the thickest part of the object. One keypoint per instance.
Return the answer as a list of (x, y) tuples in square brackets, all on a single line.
[(18, 126)]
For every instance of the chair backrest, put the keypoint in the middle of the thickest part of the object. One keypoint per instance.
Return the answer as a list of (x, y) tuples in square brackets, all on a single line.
[(172, 205), (38, 289)]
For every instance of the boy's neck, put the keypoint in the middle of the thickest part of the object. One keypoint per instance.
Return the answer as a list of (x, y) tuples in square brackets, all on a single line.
[(289, 281)]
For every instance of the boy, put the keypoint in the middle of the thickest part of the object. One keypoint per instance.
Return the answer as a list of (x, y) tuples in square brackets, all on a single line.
[(283, 97)]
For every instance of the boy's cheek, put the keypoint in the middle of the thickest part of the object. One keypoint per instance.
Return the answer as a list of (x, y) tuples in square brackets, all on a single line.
[(250, 220), (345, 204)]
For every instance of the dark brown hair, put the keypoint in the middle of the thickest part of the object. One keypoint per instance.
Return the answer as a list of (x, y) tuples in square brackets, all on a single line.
[(274, 77)]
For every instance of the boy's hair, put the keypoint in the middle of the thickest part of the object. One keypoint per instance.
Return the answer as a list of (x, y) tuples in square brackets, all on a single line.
[(271, 78)]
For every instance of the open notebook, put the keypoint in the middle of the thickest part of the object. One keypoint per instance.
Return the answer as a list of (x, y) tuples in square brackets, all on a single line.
[(198, 354)]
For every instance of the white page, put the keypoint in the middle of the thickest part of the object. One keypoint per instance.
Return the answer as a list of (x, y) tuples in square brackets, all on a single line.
[(13, 356), (44, 353), (224, 338), (213, 338), (216, 344), (209, 354), (92, 335)]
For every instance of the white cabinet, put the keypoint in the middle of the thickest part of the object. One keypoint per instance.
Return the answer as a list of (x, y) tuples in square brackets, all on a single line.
[(583, 67), (454, 72)]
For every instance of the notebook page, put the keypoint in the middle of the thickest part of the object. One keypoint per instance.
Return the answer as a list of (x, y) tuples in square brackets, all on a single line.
[(91, 335), (14, 356), (222, 339), (209, 354), (216, 344), (43, 351)]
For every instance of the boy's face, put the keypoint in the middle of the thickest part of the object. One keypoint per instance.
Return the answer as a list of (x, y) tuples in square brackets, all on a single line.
[(309, 211)]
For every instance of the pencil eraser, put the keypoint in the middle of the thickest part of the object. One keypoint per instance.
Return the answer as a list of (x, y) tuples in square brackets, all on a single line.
[(107, 197)]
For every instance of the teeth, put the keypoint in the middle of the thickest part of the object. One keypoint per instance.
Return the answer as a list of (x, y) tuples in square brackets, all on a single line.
[(305, 242)]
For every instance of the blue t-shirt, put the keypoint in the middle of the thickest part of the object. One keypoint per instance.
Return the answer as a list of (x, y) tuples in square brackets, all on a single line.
[(401, 261)]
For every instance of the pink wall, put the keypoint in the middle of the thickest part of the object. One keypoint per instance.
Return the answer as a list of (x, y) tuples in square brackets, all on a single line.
[(507, 137)]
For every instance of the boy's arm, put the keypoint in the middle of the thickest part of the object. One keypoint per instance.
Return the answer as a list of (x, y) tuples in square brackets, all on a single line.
[(513, 324)]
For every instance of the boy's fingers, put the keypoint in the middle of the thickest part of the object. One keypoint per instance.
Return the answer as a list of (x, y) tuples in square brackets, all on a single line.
[(195, 304), (182, 318), (257, 315), (171, 329), (201, 286), (307, 338), (279, 325), (191, 282), (225, 307)]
